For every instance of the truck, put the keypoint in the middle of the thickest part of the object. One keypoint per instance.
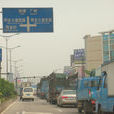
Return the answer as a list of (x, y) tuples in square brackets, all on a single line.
[(104, 96), (97, 99), (57, 82), (44, 87), (84, 88)]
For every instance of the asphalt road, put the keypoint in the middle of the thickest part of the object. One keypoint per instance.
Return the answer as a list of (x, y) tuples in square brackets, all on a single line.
[(37, 107)]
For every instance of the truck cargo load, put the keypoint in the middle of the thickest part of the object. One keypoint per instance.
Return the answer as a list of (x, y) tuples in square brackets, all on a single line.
[(57, 82), (44, 87)]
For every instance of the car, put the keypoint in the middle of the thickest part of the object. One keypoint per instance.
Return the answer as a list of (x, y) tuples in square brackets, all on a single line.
[(67, 97), (27, 93)]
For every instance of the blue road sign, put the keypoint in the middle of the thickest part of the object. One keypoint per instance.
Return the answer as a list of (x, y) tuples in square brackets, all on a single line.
[(27, 20), (0, 54)]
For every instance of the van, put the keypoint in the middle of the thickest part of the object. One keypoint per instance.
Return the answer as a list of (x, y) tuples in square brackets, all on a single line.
[(27, 93)]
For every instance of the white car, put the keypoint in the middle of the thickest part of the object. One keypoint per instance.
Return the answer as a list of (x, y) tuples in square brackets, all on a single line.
[(67, 97), (27, 93)]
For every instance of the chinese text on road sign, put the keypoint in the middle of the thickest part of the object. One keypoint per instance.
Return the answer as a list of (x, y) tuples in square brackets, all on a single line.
[(27, 20)]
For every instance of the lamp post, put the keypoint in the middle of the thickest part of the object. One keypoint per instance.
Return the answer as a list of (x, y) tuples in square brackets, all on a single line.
[(10, 50), (15, 66), (6, 39)]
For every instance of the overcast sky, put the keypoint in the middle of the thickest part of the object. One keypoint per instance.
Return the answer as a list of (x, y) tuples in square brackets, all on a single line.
[(73, 19)]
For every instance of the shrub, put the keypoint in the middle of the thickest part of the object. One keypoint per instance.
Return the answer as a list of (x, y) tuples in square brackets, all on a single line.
[(7, 89)]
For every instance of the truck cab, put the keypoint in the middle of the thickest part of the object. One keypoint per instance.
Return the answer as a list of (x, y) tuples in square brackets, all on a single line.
[(104, 101), (85, 88), (104, 96)]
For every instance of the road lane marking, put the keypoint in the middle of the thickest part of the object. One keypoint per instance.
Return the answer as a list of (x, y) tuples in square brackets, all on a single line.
[(35, 113), (23, 112), (9, 107), (59, 110)]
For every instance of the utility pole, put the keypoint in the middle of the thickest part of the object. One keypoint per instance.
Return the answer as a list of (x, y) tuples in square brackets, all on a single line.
[(6, 57)]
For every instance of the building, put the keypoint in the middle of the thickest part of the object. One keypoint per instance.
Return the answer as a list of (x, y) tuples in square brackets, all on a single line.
[(93, 52), (108, 46), (78, 62)]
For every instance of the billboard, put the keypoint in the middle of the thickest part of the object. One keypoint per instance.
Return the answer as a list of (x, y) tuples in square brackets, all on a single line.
[(19, 20), (79, 56)]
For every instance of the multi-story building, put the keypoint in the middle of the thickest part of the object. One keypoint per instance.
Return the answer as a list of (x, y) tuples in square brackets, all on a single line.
[(93, 52), (108, 46)]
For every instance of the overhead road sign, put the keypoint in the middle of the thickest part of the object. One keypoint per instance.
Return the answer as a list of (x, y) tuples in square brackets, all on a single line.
[(27, 20)]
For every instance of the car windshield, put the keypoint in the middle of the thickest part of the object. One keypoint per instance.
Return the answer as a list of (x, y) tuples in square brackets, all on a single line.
[(69, 92), (28, 90)]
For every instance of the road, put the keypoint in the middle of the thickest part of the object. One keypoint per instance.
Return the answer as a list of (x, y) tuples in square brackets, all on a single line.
[(37, 107)]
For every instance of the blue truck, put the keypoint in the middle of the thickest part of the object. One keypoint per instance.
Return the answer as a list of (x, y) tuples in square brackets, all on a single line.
[(96, 94), (104, 96), (84, 88)]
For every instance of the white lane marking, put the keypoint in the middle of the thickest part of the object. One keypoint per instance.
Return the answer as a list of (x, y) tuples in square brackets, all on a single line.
[(23, 112), (59, 110), (8, 107), (35, 113)]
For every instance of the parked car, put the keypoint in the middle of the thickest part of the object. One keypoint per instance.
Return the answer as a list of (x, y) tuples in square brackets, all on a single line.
[(67, 97), (27, 93)]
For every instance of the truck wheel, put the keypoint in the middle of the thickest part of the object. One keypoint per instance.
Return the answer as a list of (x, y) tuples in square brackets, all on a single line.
[(58, 104), (100, 111), (79, 110), (86, 112), (51, 102)]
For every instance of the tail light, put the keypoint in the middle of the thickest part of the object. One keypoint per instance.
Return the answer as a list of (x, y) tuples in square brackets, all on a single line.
[(93, 102), (89, 93), (64, 97)]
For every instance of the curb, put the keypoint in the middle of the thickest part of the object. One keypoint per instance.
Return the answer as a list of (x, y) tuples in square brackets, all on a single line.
[(4, 105)]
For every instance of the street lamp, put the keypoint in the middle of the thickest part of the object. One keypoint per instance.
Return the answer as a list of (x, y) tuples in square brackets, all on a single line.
[(10, 50), (6, 38), (15, 66)]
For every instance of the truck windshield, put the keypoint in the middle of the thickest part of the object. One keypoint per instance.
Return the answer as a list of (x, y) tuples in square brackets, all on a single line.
[(91, 83), (95, 83)]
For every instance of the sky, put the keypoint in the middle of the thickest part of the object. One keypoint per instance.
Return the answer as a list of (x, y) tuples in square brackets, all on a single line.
[(42, 53)]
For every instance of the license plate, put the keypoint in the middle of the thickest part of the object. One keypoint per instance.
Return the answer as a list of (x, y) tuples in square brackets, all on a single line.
[(71, 98), (28, 94)]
